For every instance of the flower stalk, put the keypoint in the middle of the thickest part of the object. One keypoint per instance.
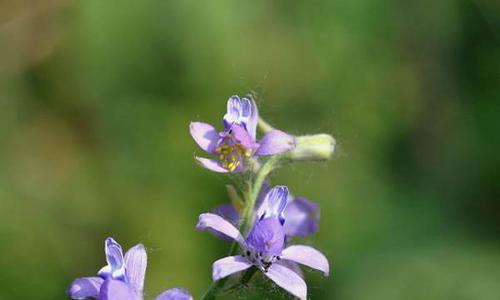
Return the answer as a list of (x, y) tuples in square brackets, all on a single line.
[(260, 220)]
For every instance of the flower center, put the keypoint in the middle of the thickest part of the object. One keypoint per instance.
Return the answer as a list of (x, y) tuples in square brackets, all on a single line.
[(259, 259), (232, 153)]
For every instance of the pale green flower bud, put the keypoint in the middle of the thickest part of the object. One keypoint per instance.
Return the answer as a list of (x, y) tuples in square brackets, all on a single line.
[(317, 147)]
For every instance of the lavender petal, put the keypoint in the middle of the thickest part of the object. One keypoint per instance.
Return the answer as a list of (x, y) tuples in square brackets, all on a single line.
[(205, 136), (275, 142), (233, 111), (114, 258), (135, 267), (267, 236), (86, 287), (241, 135), (308, 256), (249, 115), (302, 217), (117, 290), (288, 280), (229, 265), (292, 266), (274, 203), (228, 212), (213, 222), (175, 294), (211, 165)]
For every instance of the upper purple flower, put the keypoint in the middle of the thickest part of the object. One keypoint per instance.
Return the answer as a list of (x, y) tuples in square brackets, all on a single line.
[(238, 140), (264, 246), (121, 279)]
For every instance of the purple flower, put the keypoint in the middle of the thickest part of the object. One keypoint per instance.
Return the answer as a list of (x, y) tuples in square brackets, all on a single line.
[(301, 214), (238, 141), (264, 246), (121, 279)]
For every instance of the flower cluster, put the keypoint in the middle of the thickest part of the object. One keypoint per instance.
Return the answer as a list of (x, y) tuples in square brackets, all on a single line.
[(268, 218), (261, 221)]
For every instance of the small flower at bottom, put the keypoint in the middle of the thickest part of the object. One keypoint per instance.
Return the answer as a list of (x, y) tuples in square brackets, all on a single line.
[(121, 279), (238, 141), (264, 247)]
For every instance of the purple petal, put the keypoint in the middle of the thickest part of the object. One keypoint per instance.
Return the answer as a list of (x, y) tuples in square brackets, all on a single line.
[(288, 280), (83, 288), (292, 266), (136, 261), (117, 290), (211, 164), (274, 203), (114, 258), (233, 111), (308, 256), (250, 115), (241, 135), (242, 112), (229, 265), (302, 217), (228, 212), (175, 294), (267, 236), (266, 187), (274, 142), (213, 222), (205, 136)]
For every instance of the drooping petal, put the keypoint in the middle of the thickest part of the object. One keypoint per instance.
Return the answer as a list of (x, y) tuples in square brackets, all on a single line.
[(114, 258), (241, 135), (205, 136), (233, 111), (136, 261), (267, 236), (229, 265), (274, 142), (288, 280), (86, 287), (302, 217), (175, 294), (211, 165), (274, 203), (117, 290), (213, 222), (308, 256)]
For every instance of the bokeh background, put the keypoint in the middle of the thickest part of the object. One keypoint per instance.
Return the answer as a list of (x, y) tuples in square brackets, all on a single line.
[(96, 97)]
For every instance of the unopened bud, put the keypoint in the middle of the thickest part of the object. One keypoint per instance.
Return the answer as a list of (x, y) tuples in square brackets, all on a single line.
[(316, 147)]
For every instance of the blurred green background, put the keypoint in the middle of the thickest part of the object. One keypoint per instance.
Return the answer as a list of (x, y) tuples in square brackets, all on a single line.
[(96, 97)]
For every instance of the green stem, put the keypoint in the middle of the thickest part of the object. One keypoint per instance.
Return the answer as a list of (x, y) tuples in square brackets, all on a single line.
[(254, 191), (264, 126)]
